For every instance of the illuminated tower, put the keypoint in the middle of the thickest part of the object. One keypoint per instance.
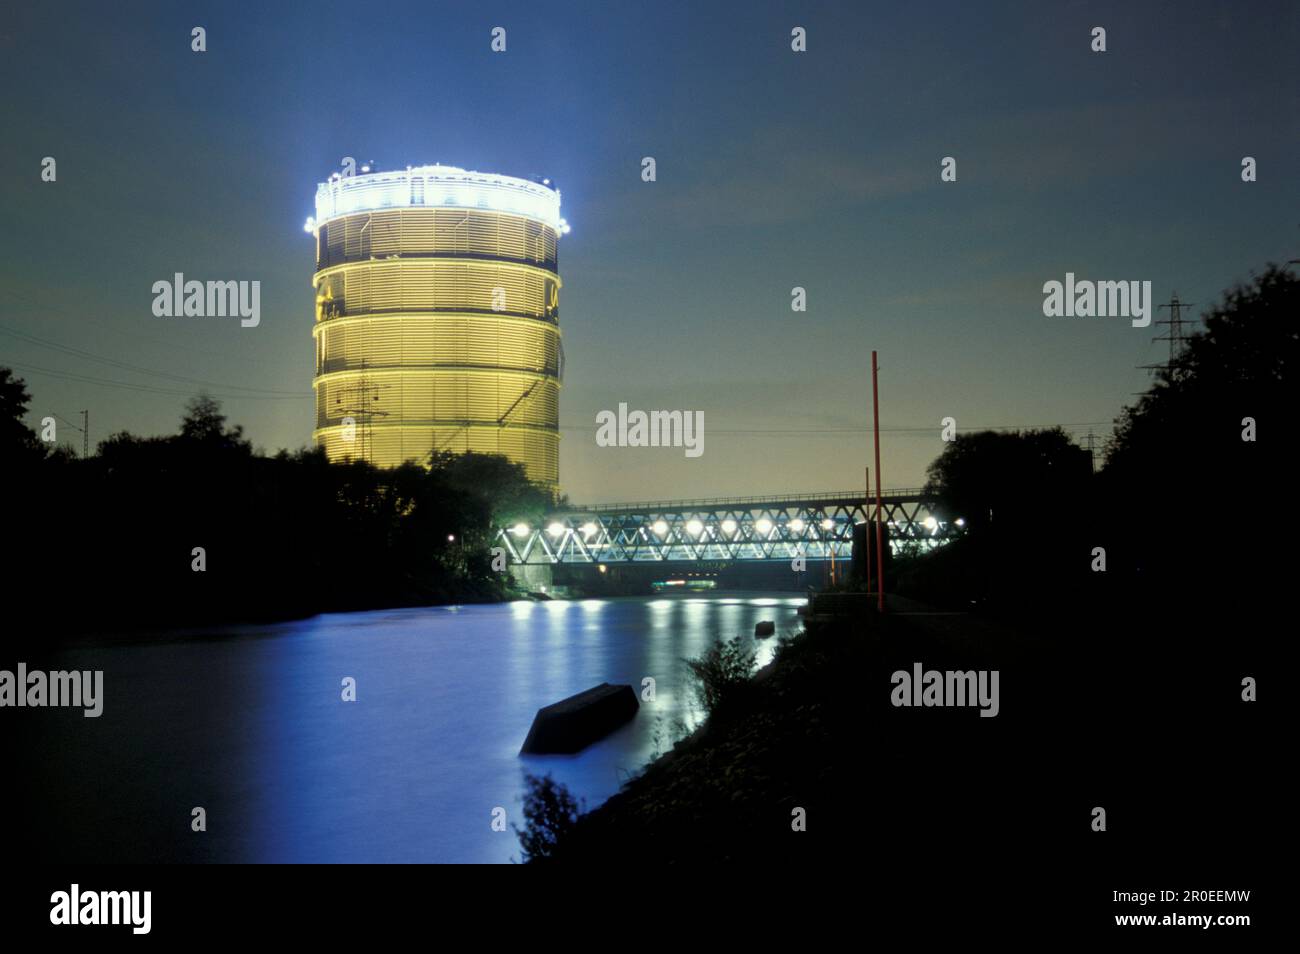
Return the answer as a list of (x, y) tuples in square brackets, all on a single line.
[(437, 317)]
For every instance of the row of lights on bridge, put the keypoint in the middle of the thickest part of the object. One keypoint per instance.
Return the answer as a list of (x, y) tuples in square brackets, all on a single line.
[(696, 527)]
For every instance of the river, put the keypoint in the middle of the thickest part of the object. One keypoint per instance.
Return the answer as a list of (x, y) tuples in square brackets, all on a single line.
[(248, 723)]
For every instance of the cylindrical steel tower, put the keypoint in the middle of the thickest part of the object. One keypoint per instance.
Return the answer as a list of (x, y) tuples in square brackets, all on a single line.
[(437, 317)]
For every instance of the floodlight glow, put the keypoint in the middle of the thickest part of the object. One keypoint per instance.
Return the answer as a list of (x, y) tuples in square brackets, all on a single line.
[(520, 530), (588, 529), (694, 527), (660, 528), (960, 521), (438, 185), (728, 526), (796, 525), (828, 524), (931, 524), (763, 526), (555, 529)]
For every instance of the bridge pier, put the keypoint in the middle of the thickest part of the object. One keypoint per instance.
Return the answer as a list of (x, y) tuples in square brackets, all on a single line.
[(533, 577)]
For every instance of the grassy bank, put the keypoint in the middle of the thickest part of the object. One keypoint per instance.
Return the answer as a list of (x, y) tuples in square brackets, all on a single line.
[(808, 732), (1082, 722)]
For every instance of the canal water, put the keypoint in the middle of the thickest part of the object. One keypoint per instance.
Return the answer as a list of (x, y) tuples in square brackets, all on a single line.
[(249, 723)]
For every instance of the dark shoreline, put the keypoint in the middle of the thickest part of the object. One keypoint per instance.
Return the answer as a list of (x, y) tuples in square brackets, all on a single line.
[(817, 731)]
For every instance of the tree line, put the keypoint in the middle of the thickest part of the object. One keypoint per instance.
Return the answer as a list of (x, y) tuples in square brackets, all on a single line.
[(1187, 508), (197, 527)]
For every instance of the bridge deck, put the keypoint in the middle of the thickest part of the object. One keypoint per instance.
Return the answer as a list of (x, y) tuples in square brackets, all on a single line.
[(770, 500)]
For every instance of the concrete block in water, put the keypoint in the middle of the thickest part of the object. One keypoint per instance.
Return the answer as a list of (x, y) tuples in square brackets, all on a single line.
[(764, 628), (572, 724)]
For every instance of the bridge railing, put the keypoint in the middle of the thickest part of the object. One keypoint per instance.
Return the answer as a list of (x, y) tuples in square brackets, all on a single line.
[(743, 502)]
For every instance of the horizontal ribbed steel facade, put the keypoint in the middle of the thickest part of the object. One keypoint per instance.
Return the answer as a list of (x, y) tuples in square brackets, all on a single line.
[(437, 328)]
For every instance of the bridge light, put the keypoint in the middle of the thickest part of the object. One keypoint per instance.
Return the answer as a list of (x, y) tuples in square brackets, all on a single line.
[(660, 528), (588, 529), (555, 529), (960, 521), (520, 529), (601, 568), (931, 524), (828, 524), (796, 525), (694, 527), (728, 526), (763, 526)]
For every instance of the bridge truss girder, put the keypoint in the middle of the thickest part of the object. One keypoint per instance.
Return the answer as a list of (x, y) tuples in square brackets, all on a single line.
[(817, 529)]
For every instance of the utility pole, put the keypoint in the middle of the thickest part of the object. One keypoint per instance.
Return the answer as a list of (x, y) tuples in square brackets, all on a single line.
[(1177, 338), (362, 411), (84, 429)]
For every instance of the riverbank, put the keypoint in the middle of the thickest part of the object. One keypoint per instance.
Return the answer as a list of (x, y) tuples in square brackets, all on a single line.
[(819, 737), (815, 736)]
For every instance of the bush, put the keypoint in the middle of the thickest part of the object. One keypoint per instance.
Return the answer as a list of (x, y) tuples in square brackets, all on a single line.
[(550, 812), (721, 673)]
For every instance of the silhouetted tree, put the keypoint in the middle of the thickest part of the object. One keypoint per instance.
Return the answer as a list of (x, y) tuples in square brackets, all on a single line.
[(1025, 499), (203, 422), (20, 445), (513, 497), (1196, 474), (550, 812), (1241, 365), (993, 477), (285, 535)]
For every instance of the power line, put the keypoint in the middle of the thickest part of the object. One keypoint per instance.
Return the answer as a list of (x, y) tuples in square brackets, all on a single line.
[(147, 388), (79, 318), (922, 431), (83, 429), (112, 362)]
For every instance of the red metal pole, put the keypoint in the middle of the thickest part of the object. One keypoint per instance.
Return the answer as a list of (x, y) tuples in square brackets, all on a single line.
[(880, 557)]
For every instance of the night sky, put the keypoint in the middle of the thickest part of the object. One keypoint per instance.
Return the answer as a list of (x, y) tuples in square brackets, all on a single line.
[(775, 169)]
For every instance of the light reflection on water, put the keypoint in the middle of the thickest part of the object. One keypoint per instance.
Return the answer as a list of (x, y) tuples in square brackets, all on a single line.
[(249, 723)]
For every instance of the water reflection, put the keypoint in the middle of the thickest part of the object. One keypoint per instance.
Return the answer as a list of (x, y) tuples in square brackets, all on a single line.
[(250, 724)]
